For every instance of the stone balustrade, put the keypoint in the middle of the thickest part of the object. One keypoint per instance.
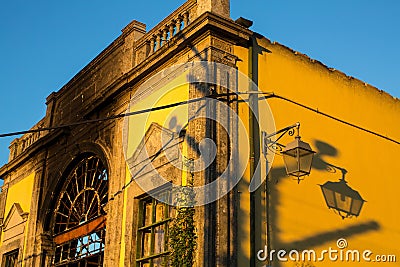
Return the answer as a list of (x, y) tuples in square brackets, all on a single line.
[(165, 31), (19, 145)]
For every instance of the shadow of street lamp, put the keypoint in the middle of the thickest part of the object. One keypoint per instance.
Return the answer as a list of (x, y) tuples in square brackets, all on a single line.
[(341, 198)]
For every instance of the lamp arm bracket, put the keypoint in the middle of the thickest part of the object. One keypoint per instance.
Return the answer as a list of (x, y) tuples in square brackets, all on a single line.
[(273, 145)]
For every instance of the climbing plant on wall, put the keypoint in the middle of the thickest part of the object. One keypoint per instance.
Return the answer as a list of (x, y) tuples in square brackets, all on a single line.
[(182, 235)]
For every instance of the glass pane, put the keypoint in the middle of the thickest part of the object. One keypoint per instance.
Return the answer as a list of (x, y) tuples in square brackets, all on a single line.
[(64, 253), (93, 261), (57, 256), (146, 243), (290, 163), (72, 249), (160, 212), (11, 259), (305, 162), (159, 239), (148, 213), (152, 239), (329, 197), (343, 202), (86, 249), (356, 208)]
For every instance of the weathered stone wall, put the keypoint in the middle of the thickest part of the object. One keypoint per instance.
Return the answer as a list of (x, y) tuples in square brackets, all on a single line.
[(102, 89)]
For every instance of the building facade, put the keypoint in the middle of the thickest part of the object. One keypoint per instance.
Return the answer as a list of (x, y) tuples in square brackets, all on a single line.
[(82, 188)]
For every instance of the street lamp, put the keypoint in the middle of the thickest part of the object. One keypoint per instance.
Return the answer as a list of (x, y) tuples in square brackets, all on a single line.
[(342, 198), (297, 155)]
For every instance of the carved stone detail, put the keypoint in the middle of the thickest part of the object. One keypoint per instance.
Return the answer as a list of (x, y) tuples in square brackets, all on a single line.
[(224, 46)]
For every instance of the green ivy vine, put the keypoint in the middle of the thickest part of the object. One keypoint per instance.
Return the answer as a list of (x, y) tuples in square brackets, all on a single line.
[(182, 233)]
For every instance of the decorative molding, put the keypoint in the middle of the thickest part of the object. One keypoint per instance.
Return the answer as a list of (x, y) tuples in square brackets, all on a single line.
[(14, 224), (224, 46), (15, 207), (152, 157)]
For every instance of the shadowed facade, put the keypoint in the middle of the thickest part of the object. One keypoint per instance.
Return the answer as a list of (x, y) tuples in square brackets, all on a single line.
[(71, 195)]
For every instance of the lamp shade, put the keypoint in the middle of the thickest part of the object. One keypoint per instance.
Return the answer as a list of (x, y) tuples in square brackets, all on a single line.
[(298, 157), (342, 198)]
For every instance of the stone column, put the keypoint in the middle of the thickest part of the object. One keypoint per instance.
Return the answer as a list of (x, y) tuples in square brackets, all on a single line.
[(171, 29), (164, 36), (178, 24)]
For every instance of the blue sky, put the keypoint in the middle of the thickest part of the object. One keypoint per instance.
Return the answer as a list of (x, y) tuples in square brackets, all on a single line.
[(45, 43)]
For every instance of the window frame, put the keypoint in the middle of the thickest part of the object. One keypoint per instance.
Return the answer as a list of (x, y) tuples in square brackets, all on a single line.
[(142, 227), (84, 239), (7, 255)]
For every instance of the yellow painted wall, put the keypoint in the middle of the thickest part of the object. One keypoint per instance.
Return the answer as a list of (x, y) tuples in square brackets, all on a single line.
[(21, 193), (170, 93), (171, 118), (243, 186), (300, 217)]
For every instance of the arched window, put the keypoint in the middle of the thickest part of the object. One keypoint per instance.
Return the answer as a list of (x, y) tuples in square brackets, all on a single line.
[(79, 218)]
